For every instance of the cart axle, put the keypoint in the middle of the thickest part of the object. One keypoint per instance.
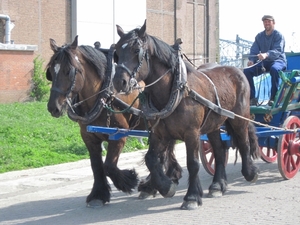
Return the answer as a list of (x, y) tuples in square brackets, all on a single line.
[(294, 147)]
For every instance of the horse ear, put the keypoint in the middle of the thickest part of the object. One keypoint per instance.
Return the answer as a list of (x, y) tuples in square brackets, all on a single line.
[(120, 31), (75, 42), (53, 45), (48, 75), (142, 31)]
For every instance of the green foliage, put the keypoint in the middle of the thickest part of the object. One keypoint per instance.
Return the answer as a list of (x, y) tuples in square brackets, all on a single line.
[(30, 137), (40, 88)]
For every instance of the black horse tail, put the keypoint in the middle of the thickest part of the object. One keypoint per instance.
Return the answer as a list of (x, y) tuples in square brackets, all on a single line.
[(254, 147)]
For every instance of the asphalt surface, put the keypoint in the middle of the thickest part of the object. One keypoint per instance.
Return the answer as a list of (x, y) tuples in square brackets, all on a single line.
[(56, 195)]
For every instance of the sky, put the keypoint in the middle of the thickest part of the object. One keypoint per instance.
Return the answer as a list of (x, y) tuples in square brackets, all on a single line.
[(243, 18)]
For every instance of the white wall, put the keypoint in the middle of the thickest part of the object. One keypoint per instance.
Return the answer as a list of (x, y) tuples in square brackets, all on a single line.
[(97, 19)]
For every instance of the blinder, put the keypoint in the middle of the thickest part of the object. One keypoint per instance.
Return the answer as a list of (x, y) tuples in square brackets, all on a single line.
[(72, 73), (116, 57), (141, 54), (48, 75)]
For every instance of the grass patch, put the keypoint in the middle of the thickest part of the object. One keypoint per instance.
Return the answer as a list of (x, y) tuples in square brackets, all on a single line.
[(30, 137)]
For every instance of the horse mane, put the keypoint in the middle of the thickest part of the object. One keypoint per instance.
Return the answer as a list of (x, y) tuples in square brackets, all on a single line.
[(167, 54), (93, 56), (96, 58)]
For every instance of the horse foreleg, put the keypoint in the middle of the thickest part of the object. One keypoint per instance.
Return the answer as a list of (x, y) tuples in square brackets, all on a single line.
[(146, 188), (172, 169), (158, 179), (193, 197), (100, 193), (124, 180), (219, 183)]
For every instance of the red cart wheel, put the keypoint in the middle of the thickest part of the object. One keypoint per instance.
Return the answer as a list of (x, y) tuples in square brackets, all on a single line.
[(288, 149), (208, 158), (268, 155)]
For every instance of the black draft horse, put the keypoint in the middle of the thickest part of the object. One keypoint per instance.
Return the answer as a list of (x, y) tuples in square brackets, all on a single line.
[(81, 84), (183, 103)]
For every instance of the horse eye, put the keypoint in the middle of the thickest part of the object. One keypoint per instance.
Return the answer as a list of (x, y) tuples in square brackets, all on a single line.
[(137, 51)]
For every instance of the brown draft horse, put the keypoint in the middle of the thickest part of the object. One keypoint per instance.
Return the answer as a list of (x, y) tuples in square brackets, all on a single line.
[(81, 82), (180, 103)]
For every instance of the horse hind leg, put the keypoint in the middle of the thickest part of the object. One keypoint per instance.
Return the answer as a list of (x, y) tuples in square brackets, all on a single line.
[(219, 183), (124, 180), (254, 147), (244, 138)]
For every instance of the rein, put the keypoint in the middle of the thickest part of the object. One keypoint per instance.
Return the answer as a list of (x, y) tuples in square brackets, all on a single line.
[(84, 100), (154, 82), (258, 61)]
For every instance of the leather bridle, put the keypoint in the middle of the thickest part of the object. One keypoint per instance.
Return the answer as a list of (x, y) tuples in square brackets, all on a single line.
[(143, 53)]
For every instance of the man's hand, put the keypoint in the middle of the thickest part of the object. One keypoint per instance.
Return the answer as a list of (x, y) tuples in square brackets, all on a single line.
[(262, 56), (250, 63)]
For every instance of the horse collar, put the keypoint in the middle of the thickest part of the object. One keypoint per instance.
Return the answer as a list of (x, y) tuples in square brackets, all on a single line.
[(178, 87)]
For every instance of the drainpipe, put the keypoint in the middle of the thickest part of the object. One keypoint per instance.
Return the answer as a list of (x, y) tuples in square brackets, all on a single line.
[(7, 27)]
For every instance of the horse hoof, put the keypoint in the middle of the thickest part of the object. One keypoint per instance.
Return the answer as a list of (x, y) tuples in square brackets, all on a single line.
[(95, 204), (214, 194), (144, 195), (171, 191), (255, 178), (189, 205)]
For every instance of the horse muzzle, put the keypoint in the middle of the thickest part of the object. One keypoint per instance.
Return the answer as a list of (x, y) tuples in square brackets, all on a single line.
[(56, 106), (55, 110), (121, 83)]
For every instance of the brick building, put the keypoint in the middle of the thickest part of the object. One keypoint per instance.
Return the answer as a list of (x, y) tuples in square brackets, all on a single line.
[(35, 21)]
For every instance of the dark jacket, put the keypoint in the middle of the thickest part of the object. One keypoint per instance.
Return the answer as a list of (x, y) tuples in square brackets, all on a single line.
[(273, 45)]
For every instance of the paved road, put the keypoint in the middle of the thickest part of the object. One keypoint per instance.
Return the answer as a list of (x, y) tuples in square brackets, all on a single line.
[(56, 195)]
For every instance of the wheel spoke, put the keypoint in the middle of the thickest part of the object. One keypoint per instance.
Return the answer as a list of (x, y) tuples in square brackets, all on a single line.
[(207, 157), (285, 142), (293, 163), (268, 154), (285, 160), (211, 159), (207, 148), (288, 164)]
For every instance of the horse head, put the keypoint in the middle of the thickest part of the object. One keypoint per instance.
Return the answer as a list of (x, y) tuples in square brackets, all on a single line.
[(133, 59), (63, 69)]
